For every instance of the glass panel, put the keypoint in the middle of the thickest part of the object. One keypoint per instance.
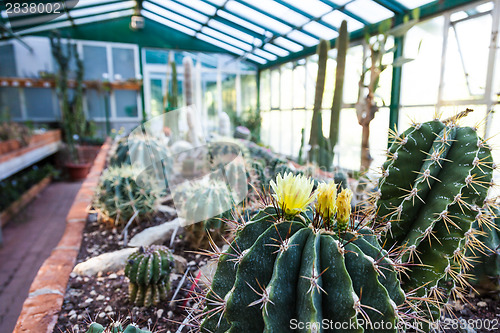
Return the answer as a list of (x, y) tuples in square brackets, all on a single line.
[(369, 10), (229, 94), (186, 11), (202, 6), (288, 44), (299, 88), (209, 81), (10, 103), (275, 88), (170, 15), (265, 90), (414, 3), (96, 104), (276, 50), (353, 67), (331, 68), (248, 93), (286, 86), (156, 56), (157, 92), (267, 55), (312, 73), (95, 62), (231, 31), (126, 103), (312, 7), (39, 103), (320, 30), (466, 59), (336, 17), (302, 38), (243, 23), (420, 79), (227, 39), (168, 23), (348, 152), (257, 17), (123, 63), (285, 13), (419, 114), (8, 61)]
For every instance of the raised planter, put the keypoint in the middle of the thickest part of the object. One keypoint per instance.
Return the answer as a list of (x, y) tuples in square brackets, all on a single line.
[(40, 309), (26, 198), (39, 147)]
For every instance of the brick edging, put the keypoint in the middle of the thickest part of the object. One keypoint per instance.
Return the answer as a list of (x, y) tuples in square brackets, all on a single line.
[(40, 310)]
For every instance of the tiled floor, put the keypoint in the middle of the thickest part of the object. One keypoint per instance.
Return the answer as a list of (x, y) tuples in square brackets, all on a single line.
[(28, 240)]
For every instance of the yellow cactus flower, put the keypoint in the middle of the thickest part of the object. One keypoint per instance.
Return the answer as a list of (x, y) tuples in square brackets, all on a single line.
[(326, 195), (344, 208), (292, 193)]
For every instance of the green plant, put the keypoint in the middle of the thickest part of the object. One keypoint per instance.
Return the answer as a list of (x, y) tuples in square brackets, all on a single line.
[(289, 263), (486, 265), (433, 187), (204, 205), (73, 116), (119, 197), (342, 44), (148, 270), (116, 327), (320, 152), (15, 131)]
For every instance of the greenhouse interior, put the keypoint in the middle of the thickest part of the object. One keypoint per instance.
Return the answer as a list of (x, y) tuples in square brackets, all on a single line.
[(249, 166)]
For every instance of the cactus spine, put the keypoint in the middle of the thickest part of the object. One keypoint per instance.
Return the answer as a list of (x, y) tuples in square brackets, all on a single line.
[(119, 197), (288, 263), (433, 187), (342, 43), (148, 270)]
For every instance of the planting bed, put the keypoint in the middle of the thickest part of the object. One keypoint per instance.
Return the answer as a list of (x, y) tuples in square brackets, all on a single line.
[(105, 297)]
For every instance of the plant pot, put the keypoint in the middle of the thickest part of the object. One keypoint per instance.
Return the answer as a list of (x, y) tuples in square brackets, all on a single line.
[(14, 145), (78, 171)]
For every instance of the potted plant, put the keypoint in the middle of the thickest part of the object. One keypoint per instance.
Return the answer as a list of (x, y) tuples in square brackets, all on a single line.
[(73, 119)]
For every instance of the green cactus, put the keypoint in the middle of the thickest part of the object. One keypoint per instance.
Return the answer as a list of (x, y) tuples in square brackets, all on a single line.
[(342, 44), (433, 187), (284, 266), (145, 148), (204, 205), (320, 152), (119, 197), (148, 270), (114, 328), (486, 265)]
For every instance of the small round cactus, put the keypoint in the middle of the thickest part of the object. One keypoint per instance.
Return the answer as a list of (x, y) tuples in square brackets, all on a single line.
[(116, 327), (148, 270), (119, 197)]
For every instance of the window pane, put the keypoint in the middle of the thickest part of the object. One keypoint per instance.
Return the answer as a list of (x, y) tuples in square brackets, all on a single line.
[(275, 88), (157, 92), (229, 94), (126, 103), (10, 104), (156, 56), (123, 63), (354, 63), (248, 92), (96, 104), (286, 87), (95, 62), (420, 79), (7, 60), (39, 103), (265, 90), (299, 88), (312, 73)]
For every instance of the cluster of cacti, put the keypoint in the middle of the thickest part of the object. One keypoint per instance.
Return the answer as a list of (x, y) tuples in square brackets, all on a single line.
[(119, 197), (433, 188), (204, 205), (115, 327), (144, 148), (290, 263), (486, 262), (221, 147), (148, 271)]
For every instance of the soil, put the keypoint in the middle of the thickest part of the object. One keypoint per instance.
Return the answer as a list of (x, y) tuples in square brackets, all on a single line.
[(104, 298)]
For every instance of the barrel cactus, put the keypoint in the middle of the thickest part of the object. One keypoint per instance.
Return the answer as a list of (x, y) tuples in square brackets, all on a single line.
[(116, 327), (433, 188), (291, 264), (119, 197), (148, 270), (203, 205)]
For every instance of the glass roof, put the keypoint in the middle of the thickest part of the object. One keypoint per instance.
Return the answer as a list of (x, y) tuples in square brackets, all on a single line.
[(261, 31)]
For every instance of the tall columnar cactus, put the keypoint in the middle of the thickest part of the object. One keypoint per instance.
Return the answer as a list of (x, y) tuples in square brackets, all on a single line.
[(320, 152), (204, 205), (115, 328), (291, 265), (433, 188), (148, 270), (119, 197), (342, 43)]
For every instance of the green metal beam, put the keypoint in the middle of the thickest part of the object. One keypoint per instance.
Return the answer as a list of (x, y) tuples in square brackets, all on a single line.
[(396, 85)]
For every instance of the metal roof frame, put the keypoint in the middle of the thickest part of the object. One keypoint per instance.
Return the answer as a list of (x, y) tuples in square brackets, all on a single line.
[(271, 46)]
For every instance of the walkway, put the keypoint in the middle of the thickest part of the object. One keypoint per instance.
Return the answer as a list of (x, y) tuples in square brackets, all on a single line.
[(28, 240)]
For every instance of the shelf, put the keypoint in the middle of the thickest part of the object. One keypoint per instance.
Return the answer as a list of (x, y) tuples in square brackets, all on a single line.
[(50, 83)]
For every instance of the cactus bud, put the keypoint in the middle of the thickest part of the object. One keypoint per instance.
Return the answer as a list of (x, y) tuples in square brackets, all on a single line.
[(343, 209)]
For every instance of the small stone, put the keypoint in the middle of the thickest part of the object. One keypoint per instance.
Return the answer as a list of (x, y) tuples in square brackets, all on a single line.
[(198, 256), (170, 314), (192, 263), (102, 315), (108, 308), (93, 293), (80, 317), (73, 275), (112, 276), (89, 300), (159, 313), (100, 298), (482, 304)]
